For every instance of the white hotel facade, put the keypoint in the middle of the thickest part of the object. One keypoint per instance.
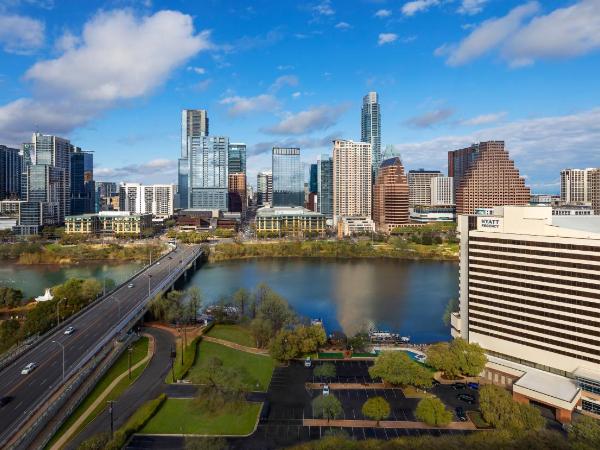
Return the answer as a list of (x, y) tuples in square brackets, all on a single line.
[(530, 296)]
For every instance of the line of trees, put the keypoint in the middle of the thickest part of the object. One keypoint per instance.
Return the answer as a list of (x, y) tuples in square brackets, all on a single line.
[(456, 358), (398, 369)]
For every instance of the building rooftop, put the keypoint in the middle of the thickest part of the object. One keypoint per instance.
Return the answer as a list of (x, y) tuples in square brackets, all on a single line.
[(286, 211), (580, 223)]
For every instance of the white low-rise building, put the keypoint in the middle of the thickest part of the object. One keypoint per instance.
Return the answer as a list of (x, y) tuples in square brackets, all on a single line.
[(351, 225)]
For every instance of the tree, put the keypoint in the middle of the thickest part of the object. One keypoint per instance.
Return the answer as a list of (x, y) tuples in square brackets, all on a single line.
[(376, 408), (396, 367), (285, 346), (10, 298), (261, 331), (241, 299), (584, 434), (195, 301), (456, 358), (358, 342), (274, 308), (327, 407), (452, 306), (502, 412), (325, 370), (432, 411)]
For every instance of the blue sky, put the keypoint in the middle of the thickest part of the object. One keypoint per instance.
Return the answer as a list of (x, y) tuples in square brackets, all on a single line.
[(113, 76)]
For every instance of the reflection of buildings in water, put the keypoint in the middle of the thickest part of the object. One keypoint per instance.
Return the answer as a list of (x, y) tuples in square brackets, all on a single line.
[(363, 301)]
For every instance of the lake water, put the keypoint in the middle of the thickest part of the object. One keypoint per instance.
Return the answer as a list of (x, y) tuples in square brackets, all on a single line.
[(34, 279), (408, 297)]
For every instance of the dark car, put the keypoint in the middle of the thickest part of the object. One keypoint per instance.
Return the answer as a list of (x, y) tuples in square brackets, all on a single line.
[(474, 386), (265, 410), (466, 398), (459, 386), (5, 400), (460, 413)]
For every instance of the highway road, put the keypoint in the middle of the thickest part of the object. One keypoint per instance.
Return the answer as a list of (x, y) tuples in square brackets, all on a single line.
[(91, 327)]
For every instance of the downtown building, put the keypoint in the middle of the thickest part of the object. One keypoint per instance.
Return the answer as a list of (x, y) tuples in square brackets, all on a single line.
[(370, 127), (390, 196), (419, 184), (264, 188), (155, 199), (11, 168), (530, 296), (325, 186), (83, 192), (237, 197), (194, 125), (352, 179), (288, 177), (236, 158), (208, 169), (575, 185), (486, 178)]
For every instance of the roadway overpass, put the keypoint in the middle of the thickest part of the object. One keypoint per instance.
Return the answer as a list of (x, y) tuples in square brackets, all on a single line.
[(96, 330)]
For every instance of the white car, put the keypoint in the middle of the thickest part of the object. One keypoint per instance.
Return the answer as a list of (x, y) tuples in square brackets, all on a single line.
[(325, 389), (307, 362), (69, 330), (158, 263), (28, 368), (130, 285)]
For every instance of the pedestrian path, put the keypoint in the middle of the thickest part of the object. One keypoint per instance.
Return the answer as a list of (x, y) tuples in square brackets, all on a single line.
[(233, 345)]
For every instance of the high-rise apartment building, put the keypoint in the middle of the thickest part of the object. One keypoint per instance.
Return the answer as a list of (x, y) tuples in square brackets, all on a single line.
[(390, 196), (574, 185), (459, 162), (370, 127), (82, 182), (11, 167), (237, 192), (352, 182), (194, 124), (208, 172), (594, 190), (237, 158), (419, 185), (264, 187), (325, 186), (530, 296), (288, 177), (491, 180), (155, 199), (442, 191)]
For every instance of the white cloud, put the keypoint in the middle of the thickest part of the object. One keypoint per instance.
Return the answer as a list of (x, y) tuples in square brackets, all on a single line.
[(138, 172), (411, 8), (343, 26), (471, 7), (285, 67), (314, 119), (296, 94), (20, 34), (541, 147), (198, 70), (284, 80), (66, 42), (324, 8), (120, 57), (239, 106), (383, 13), (430, 118), (484, 119), (386, 38)]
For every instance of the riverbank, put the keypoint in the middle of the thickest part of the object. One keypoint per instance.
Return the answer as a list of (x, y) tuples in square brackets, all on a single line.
[(334, 250), (36, 253)]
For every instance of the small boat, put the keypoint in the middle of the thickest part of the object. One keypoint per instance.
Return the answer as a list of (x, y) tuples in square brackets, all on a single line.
[(46, 297), (405, 339), (316, 322)]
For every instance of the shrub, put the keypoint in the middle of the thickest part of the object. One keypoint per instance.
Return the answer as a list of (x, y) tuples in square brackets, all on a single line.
[(433, 412)]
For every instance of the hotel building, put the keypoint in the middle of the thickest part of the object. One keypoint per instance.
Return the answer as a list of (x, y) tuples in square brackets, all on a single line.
[(530, 296)]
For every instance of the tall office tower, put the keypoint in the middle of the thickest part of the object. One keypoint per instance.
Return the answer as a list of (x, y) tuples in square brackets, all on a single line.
[(419, 184), (594, 189), (11, 167), (442, 191), (352, 183), (43, 201), (82, 182), (313, 182), (264, 187), (325, 186), (288, 177), (574, 185), (28, 155), (155, 199), (390, 196), (529, 295), (237, 192), (491, 180), (459, 162), (194, 124), (237, 158), (370, 127), (208, 172)]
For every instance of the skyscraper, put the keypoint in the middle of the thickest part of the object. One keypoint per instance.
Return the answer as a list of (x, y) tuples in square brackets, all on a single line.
[(491, 180), (236, 186), (574, 185), (194, 124), (82, 182), (313, 184), (459, 162), (237, 158), (419, 184), (11, 166), (208, 172), (442, 191), (325, 186), (264, 187), (370, 127), (390, 196), (352, 172), (155, 199), (288, 177)]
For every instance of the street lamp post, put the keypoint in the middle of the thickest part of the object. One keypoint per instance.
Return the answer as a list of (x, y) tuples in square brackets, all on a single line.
[(57, 311), (63, 358)]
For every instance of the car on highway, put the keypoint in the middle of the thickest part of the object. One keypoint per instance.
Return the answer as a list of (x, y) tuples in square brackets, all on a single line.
[(325, 389), (460, 413), (467, 398), (158, 263), (28, 368), (5, 400), (69, 330), (130, 285)]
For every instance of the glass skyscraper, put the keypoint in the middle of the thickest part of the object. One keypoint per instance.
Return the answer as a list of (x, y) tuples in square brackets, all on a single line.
[(313, 184), (82, 182), (288, 177), (11, 166), (325, 186), (370, 127), (237, 158), (194, 124), (208, 163)]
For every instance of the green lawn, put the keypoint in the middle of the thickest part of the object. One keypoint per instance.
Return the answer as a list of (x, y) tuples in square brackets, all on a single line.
[(140, 350), (233, 333), (259, 367), (182, 416)]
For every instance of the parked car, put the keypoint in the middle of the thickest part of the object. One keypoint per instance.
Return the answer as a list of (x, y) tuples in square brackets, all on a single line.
[(459, 386), (130, 285), (5, 400), (467, 398), (460, 413), (70, 330), (307, 362), (326, 389), (264, 412), (474, 386), (28, 368)]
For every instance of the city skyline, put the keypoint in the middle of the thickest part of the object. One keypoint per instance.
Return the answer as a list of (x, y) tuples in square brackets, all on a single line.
[(438, 91)]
